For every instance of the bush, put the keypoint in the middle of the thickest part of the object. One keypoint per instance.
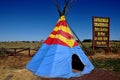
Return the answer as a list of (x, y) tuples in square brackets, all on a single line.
[(113, 65), (115, 50), (99, 50), (1, 52)]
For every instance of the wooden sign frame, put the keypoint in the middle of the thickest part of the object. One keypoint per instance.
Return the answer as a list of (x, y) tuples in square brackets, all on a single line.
[(101, 32)]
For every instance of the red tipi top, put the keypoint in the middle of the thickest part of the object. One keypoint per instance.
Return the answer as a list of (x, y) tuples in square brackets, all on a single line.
[(61, 34)]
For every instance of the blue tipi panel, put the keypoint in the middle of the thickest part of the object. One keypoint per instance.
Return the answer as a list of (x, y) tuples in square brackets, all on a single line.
[(56, 61)]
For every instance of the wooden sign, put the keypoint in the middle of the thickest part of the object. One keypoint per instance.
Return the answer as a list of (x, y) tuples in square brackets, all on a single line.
[(101, 31)]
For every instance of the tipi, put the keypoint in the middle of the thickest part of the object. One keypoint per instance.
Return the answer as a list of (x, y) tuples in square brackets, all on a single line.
[(60, 55)]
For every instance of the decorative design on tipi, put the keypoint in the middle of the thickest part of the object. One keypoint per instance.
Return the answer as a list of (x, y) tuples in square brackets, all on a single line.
[(61, 34), (60, 55)]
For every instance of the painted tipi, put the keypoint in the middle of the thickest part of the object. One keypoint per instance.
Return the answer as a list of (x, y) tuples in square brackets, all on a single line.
[(60, 55)]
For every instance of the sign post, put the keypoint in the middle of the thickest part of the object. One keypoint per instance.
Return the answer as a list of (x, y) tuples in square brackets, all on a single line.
[(101, 32)]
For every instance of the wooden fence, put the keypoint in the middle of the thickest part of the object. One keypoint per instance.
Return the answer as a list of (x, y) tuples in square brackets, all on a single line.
[(15, 51)]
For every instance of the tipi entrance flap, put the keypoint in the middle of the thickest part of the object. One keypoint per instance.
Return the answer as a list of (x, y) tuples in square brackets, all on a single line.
[(77, 65)]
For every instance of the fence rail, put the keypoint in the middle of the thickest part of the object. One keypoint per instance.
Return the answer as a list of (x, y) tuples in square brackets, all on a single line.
[(15, 51)]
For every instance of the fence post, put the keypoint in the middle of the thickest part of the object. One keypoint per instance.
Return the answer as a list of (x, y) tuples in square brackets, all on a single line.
[(15, 52), (29, 52)]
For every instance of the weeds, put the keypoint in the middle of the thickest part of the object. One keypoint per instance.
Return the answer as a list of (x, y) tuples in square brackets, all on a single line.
[(1, 52), (112, 65)]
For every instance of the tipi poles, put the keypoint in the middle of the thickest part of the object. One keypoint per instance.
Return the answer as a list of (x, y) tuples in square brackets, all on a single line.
[(58, 7), (67, 5)]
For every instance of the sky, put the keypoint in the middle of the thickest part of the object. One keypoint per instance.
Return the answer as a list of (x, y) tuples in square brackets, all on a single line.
[(33, 20)]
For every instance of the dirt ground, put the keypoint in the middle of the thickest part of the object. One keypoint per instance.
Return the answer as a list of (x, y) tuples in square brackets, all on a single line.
[(12, 68), (96, 74)]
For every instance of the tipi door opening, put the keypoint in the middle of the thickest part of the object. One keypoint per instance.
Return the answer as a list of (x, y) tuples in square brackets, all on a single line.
[(77, 65)]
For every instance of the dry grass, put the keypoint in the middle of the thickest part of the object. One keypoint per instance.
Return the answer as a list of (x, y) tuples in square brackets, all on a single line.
[(12, 68), (101, 56), (16, 74)]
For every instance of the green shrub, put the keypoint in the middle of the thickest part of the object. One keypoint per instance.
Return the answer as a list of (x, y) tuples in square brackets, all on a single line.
[(115, 50), (1, 52), (113, 65)]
